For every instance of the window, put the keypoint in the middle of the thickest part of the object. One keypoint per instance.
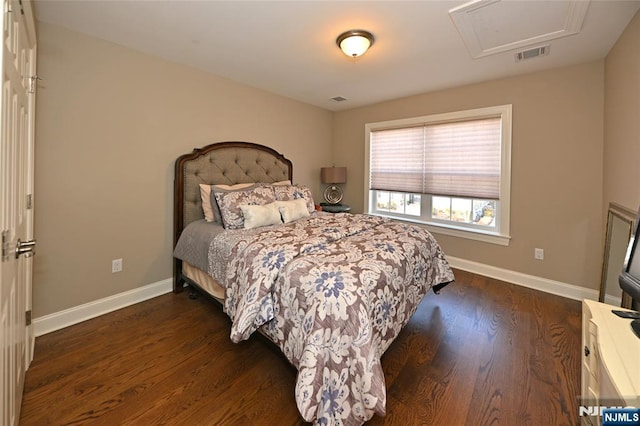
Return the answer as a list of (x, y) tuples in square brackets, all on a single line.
[(449, 171)]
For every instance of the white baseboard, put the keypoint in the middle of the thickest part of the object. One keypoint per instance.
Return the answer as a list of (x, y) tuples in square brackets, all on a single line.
[(77, 314), (530, 281), (612, 300)]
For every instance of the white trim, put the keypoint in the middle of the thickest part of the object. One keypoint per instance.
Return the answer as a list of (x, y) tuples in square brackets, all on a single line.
[(476, 235), (530, 281), (77, 314), (612, 300)]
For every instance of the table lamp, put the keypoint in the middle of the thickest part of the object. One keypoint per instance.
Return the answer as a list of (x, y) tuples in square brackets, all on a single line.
[(333, 175)]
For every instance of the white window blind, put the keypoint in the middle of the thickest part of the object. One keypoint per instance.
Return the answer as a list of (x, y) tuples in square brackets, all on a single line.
[(455, 159)]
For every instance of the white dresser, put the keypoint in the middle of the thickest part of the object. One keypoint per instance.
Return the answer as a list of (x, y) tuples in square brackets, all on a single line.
[(610, 360)]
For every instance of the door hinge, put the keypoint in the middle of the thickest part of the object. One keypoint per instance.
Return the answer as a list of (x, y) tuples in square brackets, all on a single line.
[(33, 81), (28, 318), (29, 201), (5, 246)]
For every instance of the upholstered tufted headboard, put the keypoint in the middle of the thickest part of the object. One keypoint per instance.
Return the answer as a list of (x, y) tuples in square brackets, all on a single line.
[(222, 163)]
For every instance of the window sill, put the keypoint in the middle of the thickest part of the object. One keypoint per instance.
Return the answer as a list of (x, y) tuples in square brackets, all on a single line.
[(454, 231)]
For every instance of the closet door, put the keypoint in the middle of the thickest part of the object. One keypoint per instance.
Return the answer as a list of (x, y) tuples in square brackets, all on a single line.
[(17, 108)]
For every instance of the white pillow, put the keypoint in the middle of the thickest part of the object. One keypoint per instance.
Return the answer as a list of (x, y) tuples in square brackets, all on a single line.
[(256, 216), (293, 209), (293, 192)]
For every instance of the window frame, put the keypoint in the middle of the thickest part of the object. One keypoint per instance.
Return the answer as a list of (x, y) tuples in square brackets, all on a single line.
[(498, 235)]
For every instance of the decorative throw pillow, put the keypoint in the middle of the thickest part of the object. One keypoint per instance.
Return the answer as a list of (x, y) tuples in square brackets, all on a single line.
[(256, 216), (210, 206), (293, 209), (294, 192), (229, 203), (211, 210)]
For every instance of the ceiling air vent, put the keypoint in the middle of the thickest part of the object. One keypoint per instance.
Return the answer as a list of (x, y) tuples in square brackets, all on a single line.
[(338, 99), (532, 53)]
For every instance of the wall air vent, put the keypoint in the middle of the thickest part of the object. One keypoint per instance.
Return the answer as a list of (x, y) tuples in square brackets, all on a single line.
[(532, 53), (338, 99)]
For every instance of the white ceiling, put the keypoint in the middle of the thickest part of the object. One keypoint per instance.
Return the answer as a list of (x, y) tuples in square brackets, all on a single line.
[(288, 47)]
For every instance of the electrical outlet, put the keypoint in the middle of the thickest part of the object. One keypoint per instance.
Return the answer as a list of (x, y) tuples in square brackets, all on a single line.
[(538, 254), (116, 265)]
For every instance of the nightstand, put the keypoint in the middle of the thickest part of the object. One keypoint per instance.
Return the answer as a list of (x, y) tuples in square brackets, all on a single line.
[(335, 208), (610, 369)]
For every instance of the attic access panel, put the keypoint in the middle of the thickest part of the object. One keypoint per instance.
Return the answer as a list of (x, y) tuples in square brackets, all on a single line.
[(488, 27)]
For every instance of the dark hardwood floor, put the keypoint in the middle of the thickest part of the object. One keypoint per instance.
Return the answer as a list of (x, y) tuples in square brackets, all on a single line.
[(482, 352)]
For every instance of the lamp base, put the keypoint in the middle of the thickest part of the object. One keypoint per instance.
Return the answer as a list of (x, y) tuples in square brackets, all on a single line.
[(333, 194)]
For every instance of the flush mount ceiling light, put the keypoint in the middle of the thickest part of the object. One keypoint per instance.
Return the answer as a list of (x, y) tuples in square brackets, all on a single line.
[(354, 42)]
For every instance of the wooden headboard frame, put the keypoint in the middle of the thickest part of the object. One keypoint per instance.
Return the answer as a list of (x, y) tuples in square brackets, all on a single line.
[(225, 163)]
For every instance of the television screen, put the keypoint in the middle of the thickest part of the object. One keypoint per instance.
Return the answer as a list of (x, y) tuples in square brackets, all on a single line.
[(633, 264), (629, 279)]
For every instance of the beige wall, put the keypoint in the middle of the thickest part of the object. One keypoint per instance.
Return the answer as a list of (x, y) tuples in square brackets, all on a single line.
[(622, 119), (556, 194), (110, 123)]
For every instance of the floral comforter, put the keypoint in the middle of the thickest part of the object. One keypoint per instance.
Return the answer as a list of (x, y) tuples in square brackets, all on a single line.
[(333, 292)]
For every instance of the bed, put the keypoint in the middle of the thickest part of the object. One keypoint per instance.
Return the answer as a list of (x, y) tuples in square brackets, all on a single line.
[(332, 291)]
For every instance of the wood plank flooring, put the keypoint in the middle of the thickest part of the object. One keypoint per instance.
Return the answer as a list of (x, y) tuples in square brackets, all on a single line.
[(482, 352)]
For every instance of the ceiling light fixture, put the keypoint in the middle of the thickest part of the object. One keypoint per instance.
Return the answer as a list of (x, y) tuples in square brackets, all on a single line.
[(355, 42)]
